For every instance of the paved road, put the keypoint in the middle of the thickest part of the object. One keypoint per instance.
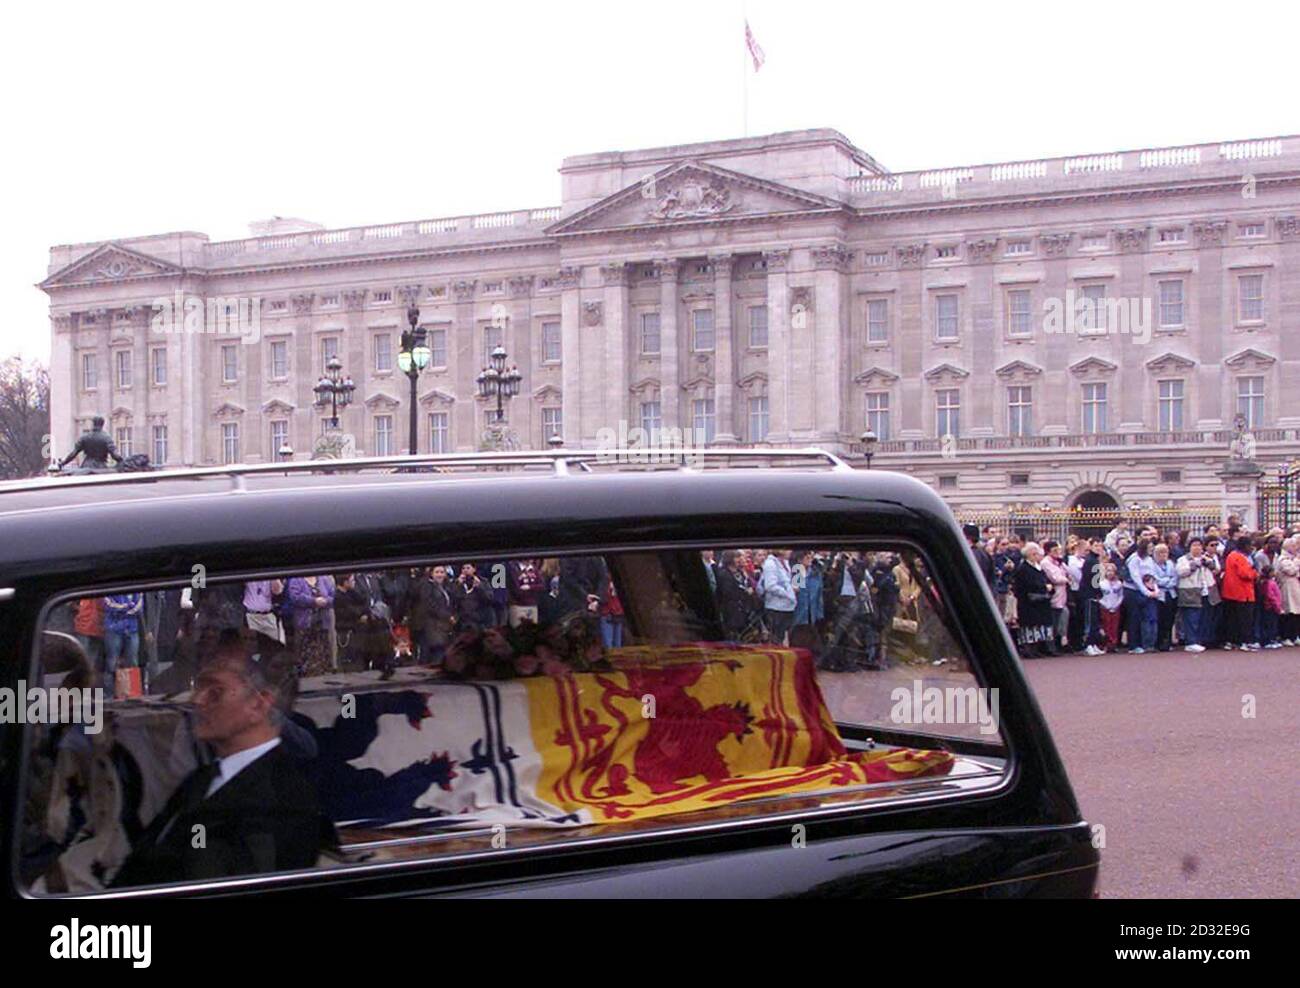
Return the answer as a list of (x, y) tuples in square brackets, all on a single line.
[(1197, 800)]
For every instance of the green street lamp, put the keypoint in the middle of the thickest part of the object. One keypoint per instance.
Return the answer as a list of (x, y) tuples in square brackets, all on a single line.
[(412, 358)]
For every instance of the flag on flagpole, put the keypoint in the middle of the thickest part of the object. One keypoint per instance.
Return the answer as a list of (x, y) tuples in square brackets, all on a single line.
[(755, 50)]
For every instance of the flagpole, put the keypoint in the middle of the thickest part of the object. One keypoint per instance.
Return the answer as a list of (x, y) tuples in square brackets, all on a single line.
[(744, 72)]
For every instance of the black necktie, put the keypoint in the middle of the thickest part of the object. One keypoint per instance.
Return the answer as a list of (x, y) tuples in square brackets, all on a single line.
[(194, 790)]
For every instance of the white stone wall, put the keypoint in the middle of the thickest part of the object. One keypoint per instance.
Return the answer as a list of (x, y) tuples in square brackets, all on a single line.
[(801, 223)]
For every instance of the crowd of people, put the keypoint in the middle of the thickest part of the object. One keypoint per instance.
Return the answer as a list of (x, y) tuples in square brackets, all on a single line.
[(842, 606), (350, 621), (1145, 591)]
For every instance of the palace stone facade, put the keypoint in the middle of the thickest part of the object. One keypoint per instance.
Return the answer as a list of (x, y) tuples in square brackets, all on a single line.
[(987, 322)]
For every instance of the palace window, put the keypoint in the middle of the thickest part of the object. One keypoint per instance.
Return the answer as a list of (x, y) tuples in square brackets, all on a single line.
[(1015, 247), (158, 365), (945, 317), (89, 372), (1171, 303), (383, 435), (122, 361), (552, 423), (1250, 298), (947, 412), (652, 421), (758, 419), (381, 298), (878, 320), (947, 481), (437, 347), (279, 359), (1171, 235), (439, 440), (229, 364), (649, 332), (1170, 399), (1020, 316), (329, 301), (229, 442), (1018, 480), (1020, 408), (758, 325), (551, 345), (878, 414), (383, 352), (159, 444), (493, 337), (704, 420), (329, 348), (1250, 400), (945, 253), (123, 440), (1090, 309), (1094, 408), (279, 438), (1250, 229), (702, 323), (1094, 241)]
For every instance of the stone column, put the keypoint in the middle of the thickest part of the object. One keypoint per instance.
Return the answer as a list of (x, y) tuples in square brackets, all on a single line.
[(465, 361), (724, 379), (778, 346), (570, 281), (521, 334), (65, 384), (829, 372), (614, 383), (670, 395), (912, 342)]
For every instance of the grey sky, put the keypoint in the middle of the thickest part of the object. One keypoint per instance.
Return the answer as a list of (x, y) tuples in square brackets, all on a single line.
[(138, 118)]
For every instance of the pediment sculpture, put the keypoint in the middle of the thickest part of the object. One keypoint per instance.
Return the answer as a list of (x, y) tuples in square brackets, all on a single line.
[(693, 199)]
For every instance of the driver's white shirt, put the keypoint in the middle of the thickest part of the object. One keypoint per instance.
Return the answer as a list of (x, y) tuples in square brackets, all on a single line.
[(232, 765)]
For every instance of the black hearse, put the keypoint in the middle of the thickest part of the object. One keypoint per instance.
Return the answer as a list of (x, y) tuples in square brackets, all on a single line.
[(748, 675)]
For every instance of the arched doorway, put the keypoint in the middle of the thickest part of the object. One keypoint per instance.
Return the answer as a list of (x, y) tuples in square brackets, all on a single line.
[(1095, 513)]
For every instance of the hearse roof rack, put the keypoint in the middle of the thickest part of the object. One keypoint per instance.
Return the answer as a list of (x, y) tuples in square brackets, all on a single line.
[(560, 462)]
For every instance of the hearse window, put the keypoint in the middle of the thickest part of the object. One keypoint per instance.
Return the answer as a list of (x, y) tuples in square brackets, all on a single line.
[(322, 720)]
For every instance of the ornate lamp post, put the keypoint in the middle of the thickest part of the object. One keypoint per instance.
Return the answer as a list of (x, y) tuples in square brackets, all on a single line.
[(869, 440), (413, 357), (334, 390), (495, 381)]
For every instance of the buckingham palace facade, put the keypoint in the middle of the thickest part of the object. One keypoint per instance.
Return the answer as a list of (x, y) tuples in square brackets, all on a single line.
[(1033, 331)]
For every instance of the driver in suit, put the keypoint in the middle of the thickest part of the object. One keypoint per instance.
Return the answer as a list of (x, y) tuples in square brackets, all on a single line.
[(250, 809)]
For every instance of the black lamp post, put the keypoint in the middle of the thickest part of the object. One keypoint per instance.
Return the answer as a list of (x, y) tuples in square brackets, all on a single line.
[(334, 389), (869, 440), (412, 358), (495, 381)]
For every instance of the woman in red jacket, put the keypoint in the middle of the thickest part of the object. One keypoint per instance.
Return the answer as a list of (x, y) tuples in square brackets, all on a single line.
[(1239, 597)]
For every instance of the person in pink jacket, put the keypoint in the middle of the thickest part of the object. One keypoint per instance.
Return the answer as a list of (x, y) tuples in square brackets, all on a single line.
[(1059, 576)]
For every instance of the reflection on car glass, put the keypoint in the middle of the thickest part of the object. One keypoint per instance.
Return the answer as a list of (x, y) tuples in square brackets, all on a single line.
[(308, 720)]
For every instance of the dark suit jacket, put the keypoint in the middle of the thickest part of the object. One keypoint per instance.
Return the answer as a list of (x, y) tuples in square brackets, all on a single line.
[(267, 818)]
